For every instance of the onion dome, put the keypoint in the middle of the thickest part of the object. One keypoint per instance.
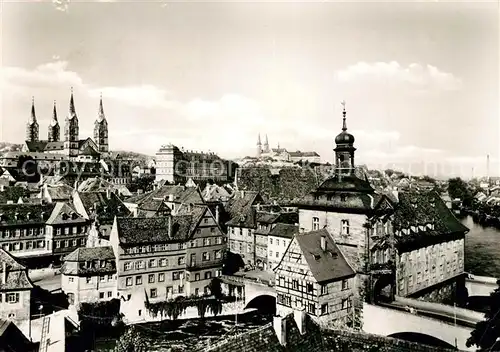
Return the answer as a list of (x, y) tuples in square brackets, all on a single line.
[(344, 137)]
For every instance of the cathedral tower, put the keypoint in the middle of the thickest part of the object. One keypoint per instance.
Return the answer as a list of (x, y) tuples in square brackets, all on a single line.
[(266, 145), (344, 152), (54, 129), (32, 127), (71, 130), (101, 131), (259, 146)]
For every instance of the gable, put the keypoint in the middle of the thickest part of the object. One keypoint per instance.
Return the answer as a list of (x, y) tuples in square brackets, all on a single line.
[(85, 143), (293, 263)]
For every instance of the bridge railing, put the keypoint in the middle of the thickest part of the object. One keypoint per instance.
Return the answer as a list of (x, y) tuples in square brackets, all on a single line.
[(482, 279), (443, 308)]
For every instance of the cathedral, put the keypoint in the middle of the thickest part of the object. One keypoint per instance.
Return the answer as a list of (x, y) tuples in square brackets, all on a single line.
[(70, 145)]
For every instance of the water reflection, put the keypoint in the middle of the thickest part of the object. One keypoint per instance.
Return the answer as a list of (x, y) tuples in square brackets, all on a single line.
[(482, 249)]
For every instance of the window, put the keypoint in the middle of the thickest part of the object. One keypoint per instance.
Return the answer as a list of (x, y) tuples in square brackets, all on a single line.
[(206, 256), (218, 254), (66, 243), (102, 278), (128, 281), (324, 309), (208, 275), (206, 241), (128, 266), (101, 295), (175, 275), (218, 240), (151, 278), (346, 303), (89, 280), (197, 277), (205, 221), (138, 280), (12, 297), (342, 197), (169, 291), (212, 229), (153, 293), (270, 241), (110, 294), (324, 289), (315, 223), (181, 289), (277, 254), (310, 288), (295, 284), (181, 260), (277, 242), (344, 227), (196, 291), (139, 312), (161, 277), (345, 284), (58, 244), (70, 279), (163, 262), (311, 308), (152, 263)]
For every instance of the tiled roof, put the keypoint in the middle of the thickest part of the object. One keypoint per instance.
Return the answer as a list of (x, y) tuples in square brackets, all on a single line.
[(84, 254), (107, 208), (180, 194), (155, 230), (325, 265), (26, 213), (64, 214), (241, 201), (417, 209), (17, 277), (43, 146), (284, 230), (266, 218), (298, 154), (60, 192), (245, 218), (345, 183)]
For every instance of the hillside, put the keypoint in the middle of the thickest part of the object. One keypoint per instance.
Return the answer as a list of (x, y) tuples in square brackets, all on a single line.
[(9, 147)]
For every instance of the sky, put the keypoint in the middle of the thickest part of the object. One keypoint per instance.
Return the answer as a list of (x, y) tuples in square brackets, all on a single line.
[(420, 79)]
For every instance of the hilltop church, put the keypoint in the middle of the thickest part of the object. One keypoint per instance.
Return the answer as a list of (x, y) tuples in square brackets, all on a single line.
[(68, 145)]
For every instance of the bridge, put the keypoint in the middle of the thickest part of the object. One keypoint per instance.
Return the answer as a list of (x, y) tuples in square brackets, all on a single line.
[(480, 285), (394, 322), (253, 287)]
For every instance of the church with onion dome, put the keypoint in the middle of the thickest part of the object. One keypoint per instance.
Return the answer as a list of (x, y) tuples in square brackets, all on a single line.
[(408, 244)]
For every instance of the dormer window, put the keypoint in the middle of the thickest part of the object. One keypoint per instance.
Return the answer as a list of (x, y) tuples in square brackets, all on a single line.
[(17, 216), (64, 216), (73, 215), (343, 197), (28, 216)]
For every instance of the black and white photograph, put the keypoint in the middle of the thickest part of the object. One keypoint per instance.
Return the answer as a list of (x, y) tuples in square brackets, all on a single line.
[(249, 176)]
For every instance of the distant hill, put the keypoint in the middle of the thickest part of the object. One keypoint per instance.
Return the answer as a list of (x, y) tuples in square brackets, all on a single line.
[(143, 158), (9, 147)]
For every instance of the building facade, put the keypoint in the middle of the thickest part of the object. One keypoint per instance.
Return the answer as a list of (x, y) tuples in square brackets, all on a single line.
[(89, 275), (15, 289), (278, 240), (314, 276), (176, 166)]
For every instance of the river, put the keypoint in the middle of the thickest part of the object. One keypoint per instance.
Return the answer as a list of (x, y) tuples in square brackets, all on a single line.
[(482, 249)]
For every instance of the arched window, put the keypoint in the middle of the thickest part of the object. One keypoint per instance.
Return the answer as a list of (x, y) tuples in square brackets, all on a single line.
[(344, 227)]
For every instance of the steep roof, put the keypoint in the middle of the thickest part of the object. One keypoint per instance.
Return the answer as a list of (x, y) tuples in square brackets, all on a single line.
[(64, 214), (26, 213), (17, 276), (284, 230), (325, 265), (84, 254), (155, 230), (60, 192), (420, 208), (107, 208)]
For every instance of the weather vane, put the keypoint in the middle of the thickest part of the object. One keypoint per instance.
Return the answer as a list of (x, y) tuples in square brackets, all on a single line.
[(343, 104)]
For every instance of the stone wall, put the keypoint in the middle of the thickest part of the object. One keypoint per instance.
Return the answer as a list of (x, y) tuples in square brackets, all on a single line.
[(357, 341)]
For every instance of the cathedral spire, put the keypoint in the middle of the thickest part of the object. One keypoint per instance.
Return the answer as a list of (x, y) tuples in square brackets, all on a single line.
[(101, 110), (72, 110), (33, 114), (344, 113), (54, 115), (258, 140)]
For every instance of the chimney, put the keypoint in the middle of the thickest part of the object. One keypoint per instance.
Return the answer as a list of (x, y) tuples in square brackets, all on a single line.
[(300, 320), (323, 243), (4, 273), (279, 325), (242, 194), (108, 193), (217, 214)]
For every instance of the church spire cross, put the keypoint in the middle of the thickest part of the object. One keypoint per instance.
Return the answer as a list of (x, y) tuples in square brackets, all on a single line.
[(344, 113)]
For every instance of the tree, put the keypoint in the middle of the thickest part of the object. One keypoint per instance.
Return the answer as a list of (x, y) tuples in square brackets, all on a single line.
[(457, 188), (486, 335), (14, 193), (131, 341)]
